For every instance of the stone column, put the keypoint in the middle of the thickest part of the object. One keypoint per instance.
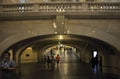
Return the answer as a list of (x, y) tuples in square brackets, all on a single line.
[(60, 24), (36, 50)]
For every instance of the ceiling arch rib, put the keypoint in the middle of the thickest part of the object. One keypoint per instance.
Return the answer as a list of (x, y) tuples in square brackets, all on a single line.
[(76, 40)]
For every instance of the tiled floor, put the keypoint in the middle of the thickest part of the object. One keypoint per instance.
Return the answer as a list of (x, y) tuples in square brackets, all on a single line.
[(62, 71)]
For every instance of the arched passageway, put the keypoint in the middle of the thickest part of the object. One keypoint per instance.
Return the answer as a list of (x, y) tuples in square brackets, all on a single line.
[(33, 49)]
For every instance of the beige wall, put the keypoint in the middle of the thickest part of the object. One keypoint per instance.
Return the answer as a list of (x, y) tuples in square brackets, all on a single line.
[(28, 59), (105, 30), (11, 54)]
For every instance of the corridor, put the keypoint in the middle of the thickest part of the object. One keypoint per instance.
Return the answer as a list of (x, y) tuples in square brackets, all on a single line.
[(83, 34), (70, 67), (63, 71)]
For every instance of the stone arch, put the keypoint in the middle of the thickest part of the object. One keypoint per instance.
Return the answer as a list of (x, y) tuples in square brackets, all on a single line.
[(103, 36)]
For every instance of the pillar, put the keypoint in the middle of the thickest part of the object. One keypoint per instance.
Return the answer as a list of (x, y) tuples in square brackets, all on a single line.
[(60, 22)]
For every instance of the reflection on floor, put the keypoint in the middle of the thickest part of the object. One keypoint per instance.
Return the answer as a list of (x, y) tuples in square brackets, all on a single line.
[(62, 71)]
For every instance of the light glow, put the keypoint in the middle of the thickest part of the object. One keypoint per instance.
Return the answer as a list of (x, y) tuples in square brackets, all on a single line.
[(94, 53), (60, 37), (54, 25)]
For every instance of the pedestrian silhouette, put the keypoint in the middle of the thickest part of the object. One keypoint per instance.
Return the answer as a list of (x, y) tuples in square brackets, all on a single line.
[(48, 61), (57, 59)]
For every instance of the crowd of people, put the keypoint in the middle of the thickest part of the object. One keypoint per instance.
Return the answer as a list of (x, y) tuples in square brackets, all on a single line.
[(8, 66), (51, 60)]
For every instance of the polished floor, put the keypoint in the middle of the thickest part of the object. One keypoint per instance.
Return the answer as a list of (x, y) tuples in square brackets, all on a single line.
[(69, 67), (62, 71)]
